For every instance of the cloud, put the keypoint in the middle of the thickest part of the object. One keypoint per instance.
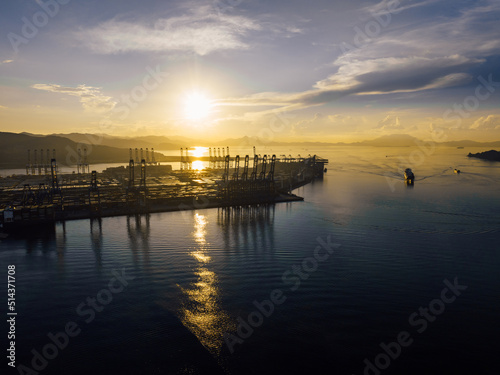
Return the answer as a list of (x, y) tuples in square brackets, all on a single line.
[(394, 6), (407, 56), (471, 32), (202, 31), (390, 122), (374, 76), (490, 122), (7, 61), (396, 74), (308, 126), (304, 124), (90, 97)]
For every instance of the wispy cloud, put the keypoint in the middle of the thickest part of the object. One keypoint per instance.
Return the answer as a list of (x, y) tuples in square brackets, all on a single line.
[(392, 74), (395, 6), (375, 76), (490, 122), (390, 122), (407, 57), (7, 61), (471, 32), (90, 97), (202, 31)]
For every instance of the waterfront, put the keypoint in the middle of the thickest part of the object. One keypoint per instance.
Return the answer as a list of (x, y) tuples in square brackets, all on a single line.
[(196, 272), (116, 191)]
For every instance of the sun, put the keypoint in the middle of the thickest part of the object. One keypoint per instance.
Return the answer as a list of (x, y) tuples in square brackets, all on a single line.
[(197, 106), (198, 152)]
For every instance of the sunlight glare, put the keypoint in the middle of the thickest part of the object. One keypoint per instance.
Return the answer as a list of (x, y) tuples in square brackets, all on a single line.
[(197, 106), (197, 165), (198, 152)]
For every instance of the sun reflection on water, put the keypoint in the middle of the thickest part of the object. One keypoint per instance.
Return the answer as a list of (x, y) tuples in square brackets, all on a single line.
[(197, 165), (201, 311)]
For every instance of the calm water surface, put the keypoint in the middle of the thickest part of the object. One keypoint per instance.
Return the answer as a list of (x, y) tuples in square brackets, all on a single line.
[(193, 277)]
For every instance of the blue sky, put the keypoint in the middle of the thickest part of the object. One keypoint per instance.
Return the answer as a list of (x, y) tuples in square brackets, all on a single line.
[(315, 70)]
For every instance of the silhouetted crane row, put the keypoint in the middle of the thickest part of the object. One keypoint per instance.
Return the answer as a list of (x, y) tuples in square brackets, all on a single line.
[(217, 159), (117, 192), (43, 194), (244, 175), (186, 162), (240, 188), (34, 167), (150, 156), (142, 182), (131, 169)]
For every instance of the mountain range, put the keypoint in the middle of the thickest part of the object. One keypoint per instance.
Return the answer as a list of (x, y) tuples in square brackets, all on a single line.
[(103, 148)]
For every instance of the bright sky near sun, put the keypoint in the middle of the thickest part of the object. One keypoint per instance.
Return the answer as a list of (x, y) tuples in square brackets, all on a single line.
[(325, 70)]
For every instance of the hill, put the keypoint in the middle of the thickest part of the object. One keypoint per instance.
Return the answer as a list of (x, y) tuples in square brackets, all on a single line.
[(14, 150), (393, 140), (175, 142), (160, 143), (103, 148)]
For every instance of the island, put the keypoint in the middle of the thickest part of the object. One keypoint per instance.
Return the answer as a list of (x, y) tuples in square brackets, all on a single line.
[(491, 155)]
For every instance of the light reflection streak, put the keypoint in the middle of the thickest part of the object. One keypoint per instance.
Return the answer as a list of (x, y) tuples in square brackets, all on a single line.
[(254, 224), (197, 165), (201, 311), (96, 238), (138, 229)]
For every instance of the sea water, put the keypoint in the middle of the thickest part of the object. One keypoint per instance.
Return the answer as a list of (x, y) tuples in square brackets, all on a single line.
[(367, 275)]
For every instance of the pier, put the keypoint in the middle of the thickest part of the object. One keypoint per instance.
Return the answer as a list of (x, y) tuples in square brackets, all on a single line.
[(147, 186)]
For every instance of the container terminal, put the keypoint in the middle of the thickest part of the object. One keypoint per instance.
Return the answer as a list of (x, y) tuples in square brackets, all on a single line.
[(43, 196)]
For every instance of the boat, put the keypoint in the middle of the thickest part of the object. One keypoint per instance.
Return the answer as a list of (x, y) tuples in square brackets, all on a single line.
[(409, 176)]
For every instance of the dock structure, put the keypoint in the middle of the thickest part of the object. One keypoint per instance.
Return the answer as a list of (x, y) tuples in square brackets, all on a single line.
[(153, 159), (94, 196), (239, 188), (34, 167), (149, 157), (29, 166), (144, 186), (82, 165)]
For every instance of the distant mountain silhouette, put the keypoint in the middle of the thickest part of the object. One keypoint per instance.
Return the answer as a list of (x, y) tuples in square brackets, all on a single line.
[(160, 143), (14, 150), (393, 140), (176, 142), (111, 149)]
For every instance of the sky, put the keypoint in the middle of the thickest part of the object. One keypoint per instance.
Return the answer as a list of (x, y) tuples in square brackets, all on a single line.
[(294, 70)]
